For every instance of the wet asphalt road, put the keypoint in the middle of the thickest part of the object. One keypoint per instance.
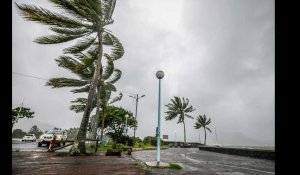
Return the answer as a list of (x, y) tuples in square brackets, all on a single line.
[(195, 161), (17, 144)]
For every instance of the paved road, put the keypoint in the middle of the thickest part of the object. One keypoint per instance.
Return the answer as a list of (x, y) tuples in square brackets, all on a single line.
[(17, 144), (195, 161)]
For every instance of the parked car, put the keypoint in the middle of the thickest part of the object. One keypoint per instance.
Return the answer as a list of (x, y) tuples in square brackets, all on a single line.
[(29, 137), (61, 137)]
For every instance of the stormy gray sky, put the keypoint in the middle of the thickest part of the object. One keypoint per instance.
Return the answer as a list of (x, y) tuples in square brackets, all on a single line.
[(217, 53)]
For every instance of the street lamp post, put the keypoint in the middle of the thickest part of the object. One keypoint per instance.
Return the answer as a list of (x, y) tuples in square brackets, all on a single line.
[(136, 107), (159, 75)]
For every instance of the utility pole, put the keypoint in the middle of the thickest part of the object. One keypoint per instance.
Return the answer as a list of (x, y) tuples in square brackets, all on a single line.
[(136, 107)]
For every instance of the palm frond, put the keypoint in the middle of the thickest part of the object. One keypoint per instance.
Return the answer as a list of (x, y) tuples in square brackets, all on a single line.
[(70, 7), (208, 129), (189, 109), (71, 31), (117, 98), (80, 90), (108, 7), (67, 62), (170, 116), (108, 70), (80, 100), (189, 116), (44, 16), (65, 82), (95, 6), (55, 39), (117, 48), (77, 108), (110, 86), (81, 103), (84, 7), (116, 76), (106, 39), (85, 65), (80, 46)]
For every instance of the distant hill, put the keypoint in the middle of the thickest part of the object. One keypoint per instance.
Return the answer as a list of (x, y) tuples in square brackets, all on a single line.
[(25, 124)]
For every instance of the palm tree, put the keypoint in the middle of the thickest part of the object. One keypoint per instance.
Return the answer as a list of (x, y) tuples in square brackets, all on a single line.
[(179, 109), (203, 122), (84, 70), (85, 19)]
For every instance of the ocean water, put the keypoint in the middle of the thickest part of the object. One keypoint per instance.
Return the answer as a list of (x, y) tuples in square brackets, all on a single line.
[(247, 147)]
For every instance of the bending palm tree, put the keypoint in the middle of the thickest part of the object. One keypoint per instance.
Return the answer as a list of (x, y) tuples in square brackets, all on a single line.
[(84, 70), (203, 122), (179, 109), (84, 19)]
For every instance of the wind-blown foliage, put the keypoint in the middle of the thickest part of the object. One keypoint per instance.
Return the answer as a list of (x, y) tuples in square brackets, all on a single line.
[(179, 109), (202, 122), (21, 112), (85, 20), (114, 122)]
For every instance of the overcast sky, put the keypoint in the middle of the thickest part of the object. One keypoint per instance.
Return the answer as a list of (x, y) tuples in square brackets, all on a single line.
[(217, 53)]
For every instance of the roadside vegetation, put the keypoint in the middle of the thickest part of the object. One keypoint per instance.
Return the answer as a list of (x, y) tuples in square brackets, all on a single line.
[(175, 166), (20, 112)]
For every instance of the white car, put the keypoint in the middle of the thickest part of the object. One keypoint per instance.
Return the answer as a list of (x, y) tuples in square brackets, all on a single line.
[(61, 137), (29, 137)]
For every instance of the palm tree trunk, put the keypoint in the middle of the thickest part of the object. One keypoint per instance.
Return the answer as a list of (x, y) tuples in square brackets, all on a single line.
[(184, 133), (97, 114), (81, 136), (204, 136), (103, 117)]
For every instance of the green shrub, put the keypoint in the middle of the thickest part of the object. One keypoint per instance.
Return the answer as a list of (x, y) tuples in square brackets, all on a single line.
[(119, 146), (74, 151), (175, 166)]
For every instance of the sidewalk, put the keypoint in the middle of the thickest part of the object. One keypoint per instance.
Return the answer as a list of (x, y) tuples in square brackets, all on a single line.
[(39, 163)]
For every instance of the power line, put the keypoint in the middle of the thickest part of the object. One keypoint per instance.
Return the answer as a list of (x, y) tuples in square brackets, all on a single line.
[(30, 76), (47, 80)]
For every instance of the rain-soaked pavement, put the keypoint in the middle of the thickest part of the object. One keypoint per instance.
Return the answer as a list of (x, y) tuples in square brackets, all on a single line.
[(17, 144), (28, 158), (195, 161)]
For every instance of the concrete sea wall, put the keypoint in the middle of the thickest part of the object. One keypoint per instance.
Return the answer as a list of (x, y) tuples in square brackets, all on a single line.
[(257, 153)]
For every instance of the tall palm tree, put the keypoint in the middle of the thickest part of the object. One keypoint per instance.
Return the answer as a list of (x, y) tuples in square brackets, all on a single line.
[(85, 19), (203, 122), (179, 109), (84, 70)]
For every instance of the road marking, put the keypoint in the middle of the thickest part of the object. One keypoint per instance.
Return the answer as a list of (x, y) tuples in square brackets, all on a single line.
[(198, 161)]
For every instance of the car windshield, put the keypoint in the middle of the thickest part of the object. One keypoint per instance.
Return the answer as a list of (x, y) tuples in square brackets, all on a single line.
[(55, 132)]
